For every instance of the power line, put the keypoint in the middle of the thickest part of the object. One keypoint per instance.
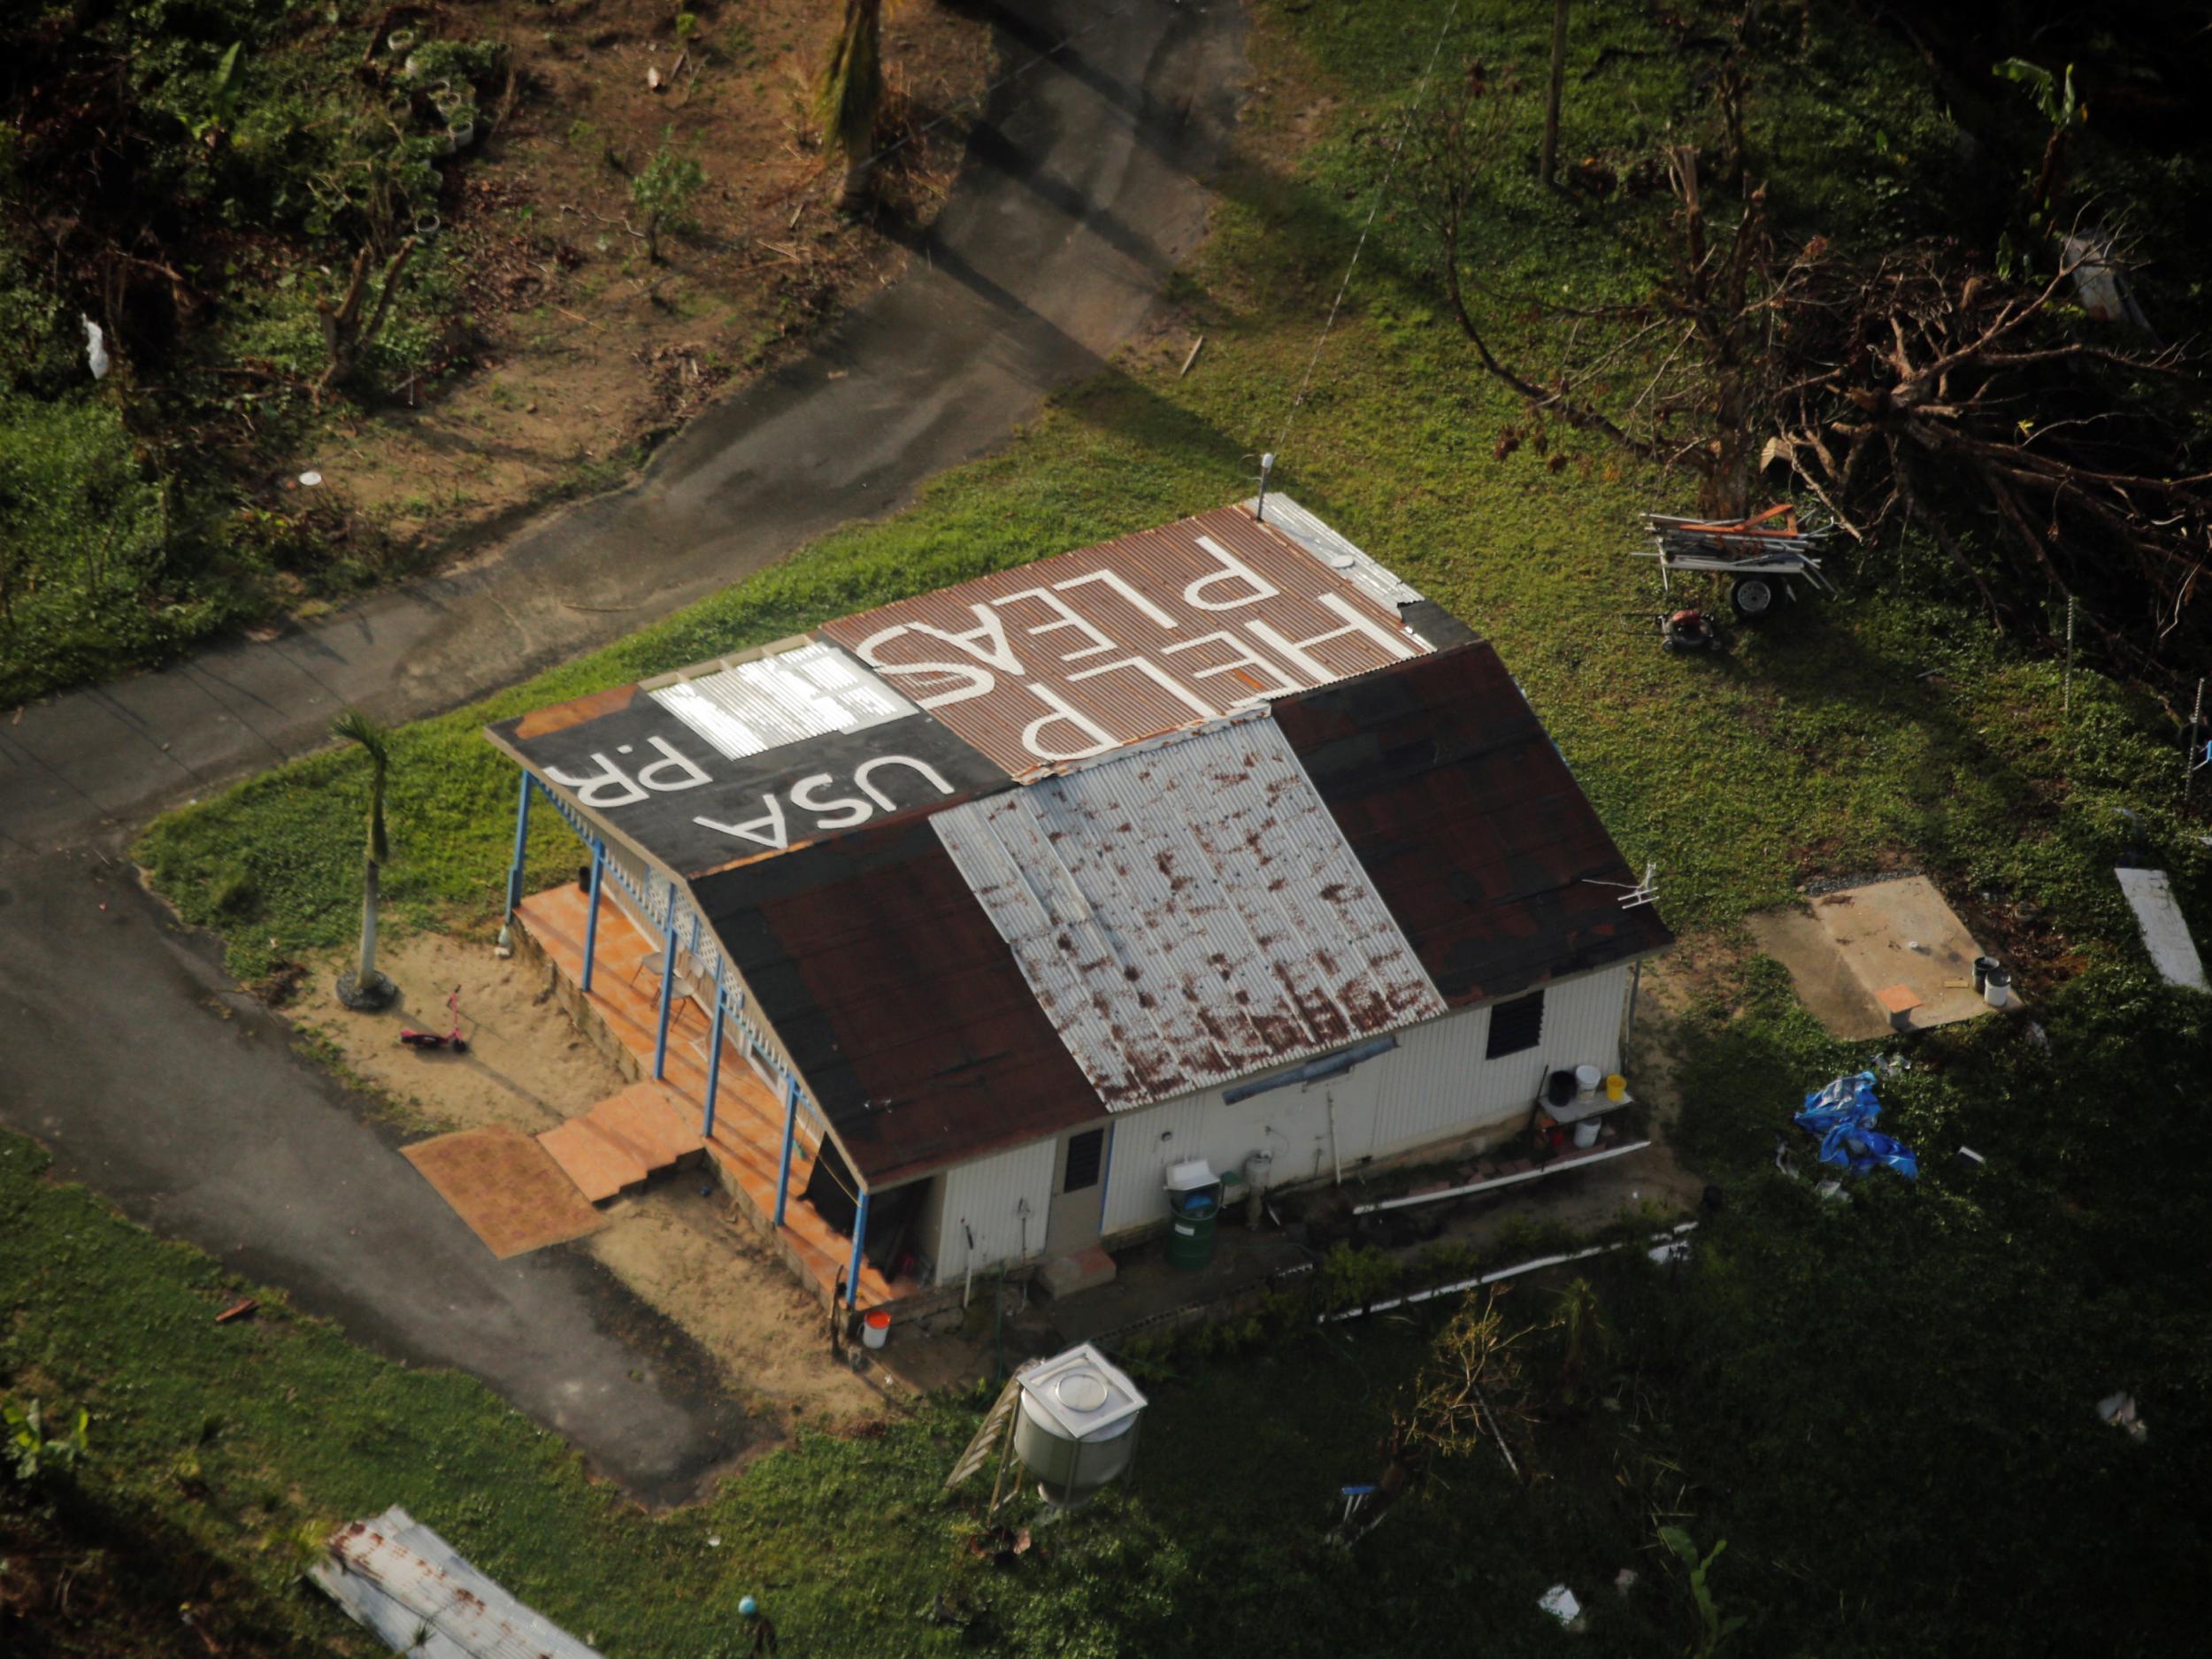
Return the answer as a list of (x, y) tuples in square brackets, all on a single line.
[(1405, 129)]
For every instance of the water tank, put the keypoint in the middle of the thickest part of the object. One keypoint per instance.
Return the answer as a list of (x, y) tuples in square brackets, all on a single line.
[(1077, 1428)]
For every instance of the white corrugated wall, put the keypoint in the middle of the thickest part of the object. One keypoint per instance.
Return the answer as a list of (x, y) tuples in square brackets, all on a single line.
[(1434, 1085), (1440, 1084), (988, 1194)]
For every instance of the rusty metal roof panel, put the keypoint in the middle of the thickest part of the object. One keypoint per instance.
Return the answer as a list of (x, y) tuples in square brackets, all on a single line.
[(405, 1585), (1188, 912), (1168, 628), (1468, 822)]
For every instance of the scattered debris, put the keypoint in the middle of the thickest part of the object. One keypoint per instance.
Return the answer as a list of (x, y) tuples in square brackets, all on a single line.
[(238, 1310), (2119, 1410), (310, 479), (1832, 1189), (1843, 1116), (1560, 1602), (1624, 1580), (96, 350), (1196, 346), (1760, 556), (1970, 1160), (2166, 935), (408, 1588)]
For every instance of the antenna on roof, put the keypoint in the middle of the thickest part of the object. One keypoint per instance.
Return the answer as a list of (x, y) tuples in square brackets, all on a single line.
[(1267, 465), (1632, 894)]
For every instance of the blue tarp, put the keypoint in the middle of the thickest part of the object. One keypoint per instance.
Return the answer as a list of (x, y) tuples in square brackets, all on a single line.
[(1841, 1117)]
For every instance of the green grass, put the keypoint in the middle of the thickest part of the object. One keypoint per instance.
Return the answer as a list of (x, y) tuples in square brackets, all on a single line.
[(1883, 1407)]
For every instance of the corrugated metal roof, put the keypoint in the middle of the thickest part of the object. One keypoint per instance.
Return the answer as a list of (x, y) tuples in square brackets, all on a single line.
[(1337, 551), (808, 691), (896, 1001), (1188, 912), (1079, 654), (1469, 824), (404, 1584)]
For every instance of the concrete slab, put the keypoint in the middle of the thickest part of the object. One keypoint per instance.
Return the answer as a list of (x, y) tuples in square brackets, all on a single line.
[(1084, 1270), (1819, 975), (1852, 951)]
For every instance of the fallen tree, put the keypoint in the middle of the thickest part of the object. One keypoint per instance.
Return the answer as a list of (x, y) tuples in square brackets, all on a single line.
[(2045, 455)]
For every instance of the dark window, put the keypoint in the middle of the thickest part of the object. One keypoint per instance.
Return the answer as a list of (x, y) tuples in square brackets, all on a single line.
[(1516, 1025), (1083, 1152)]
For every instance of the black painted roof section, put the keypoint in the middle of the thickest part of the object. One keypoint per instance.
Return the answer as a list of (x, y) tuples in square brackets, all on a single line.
[(618, 727), (1463, 814), (899, 1002)]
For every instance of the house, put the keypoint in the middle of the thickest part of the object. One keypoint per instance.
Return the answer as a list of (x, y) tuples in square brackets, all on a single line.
[(988, 906)]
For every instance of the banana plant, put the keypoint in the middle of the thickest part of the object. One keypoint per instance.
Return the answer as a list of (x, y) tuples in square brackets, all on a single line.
[(219, 105), (1713, 1630)]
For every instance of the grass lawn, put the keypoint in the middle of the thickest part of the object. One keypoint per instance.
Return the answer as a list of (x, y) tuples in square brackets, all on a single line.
[(1883, 1407)]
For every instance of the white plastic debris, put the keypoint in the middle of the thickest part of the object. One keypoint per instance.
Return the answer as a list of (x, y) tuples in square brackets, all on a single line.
[(1624, 1580), (96, 350), (1560, 1602), (1832, 1189), (311, 477), (2119, 1410), (1672, 1251)]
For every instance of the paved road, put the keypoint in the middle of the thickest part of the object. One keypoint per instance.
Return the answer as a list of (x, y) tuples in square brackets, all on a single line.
[(1084, 191)]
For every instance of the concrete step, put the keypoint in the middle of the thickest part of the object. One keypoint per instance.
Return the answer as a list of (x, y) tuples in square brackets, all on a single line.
[(601, 1168), (1083, 1270)]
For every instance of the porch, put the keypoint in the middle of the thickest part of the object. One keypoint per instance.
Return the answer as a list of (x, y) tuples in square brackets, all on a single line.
[(665, 1121)]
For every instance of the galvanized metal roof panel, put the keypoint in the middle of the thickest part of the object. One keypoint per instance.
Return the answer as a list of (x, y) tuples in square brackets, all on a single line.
[(1188, 912), (404, 1583), (811, 690), (1077, 655), (1337, 551)]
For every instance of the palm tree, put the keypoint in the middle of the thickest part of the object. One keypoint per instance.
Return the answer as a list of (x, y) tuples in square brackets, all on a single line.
[(365, 987), (850, 93)]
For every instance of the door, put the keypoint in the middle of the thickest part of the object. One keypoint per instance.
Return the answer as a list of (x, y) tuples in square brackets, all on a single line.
[(1076, 1199)]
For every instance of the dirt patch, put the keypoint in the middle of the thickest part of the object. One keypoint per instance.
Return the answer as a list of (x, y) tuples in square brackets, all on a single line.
[(585, 346), (528, 1066), (684, 1254)]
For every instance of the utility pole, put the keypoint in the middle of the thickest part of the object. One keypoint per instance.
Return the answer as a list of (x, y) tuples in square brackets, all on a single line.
[(1551, 98)]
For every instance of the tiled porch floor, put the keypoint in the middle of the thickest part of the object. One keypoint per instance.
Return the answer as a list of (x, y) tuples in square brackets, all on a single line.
[(633, 1128)]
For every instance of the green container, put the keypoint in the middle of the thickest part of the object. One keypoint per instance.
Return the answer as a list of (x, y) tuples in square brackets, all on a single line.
[(1191, 1218)]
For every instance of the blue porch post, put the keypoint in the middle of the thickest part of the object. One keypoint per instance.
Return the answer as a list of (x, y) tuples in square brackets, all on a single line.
[(860, 1236), (790, 1133), (514, 870), (591, 923), (668, 993), (714, 1058)]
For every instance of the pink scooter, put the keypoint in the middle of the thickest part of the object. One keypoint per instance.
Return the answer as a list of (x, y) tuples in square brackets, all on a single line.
[(453, 1039)]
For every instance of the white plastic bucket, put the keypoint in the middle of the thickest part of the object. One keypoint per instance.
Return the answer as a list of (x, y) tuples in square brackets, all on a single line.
[(1586, 1078), (1587, 1133), (875, 1328)]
